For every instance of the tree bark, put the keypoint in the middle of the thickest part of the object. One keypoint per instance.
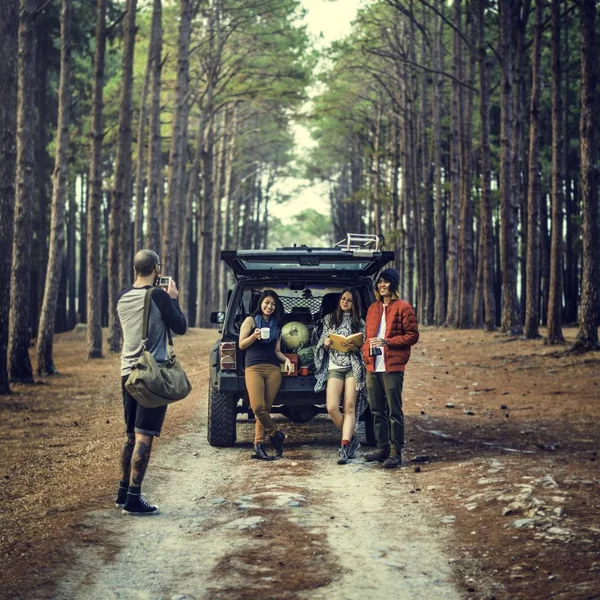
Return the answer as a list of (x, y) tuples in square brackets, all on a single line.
[(229, 200), (208, 216), (9, 22), (154, 144), (82, 284), (466, 273), (94, 275), (511, 319), (118, 245), (71, 256), (532, 310), (19, 336), (59, 198), (438, 209), (43, 184), (555, 335), (455, 170), (176, 155), (587, 335), (485, 221), (140, 171), (192, 196)]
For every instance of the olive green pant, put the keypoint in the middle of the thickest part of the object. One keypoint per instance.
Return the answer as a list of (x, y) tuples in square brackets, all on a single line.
[(262, 383), (385, 403)]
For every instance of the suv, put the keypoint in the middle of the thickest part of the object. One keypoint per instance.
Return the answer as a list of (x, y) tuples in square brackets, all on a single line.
[(308, 282)]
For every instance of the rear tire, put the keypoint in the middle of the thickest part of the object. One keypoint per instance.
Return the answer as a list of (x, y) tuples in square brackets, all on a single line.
[(369, 428), (222, 413)]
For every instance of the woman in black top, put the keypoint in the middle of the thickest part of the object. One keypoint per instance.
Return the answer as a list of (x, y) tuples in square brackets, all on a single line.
[(260, 336)]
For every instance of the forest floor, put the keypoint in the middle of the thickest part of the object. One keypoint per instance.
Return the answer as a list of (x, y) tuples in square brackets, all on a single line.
[(498, 497)]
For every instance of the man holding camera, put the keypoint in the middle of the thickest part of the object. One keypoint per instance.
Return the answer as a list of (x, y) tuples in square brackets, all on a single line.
[(143, 424)]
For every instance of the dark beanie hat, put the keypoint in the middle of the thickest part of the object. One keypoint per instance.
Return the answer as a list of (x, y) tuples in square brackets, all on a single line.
[(392, 276)]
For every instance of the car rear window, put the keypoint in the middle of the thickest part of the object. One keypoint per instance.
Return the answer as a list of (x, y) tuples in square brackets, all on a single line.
[(306, 305)]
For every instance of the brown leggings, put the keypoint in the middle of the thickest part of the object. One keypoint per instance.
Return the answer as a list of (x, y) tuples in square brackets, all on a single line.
[(262, 383)]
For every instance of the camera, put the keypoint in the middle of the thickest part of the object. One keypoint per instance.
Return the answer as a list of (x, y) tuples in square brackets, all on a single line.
[(163, 282)]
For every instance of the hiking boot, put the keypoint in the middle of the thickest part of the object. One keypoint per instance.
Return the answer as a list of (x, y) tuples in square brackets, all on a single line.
[(354, 446), (121, 498), (344, 455), (393, 460), (138, 505), (277, 440), (260, 452), (379, 455)]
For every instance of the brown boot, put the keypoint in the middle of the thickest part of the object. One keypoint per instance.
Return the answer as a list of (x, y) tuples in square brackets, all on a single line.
[(393, 460), (378, 456)]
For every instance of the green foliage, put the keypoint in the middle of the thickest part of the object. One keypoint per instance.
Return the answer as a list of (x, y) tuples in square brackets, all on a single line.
[(307, 227)]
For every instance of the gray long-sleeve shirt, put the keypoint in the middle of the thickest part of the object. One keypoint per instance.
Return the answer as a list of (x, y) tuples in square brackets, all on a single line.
[(165, 314)]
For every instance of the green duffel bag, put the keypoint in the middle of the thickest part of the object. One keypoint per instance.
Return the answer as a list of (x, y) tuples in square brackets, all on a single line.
[(306, 358), (153, 383)]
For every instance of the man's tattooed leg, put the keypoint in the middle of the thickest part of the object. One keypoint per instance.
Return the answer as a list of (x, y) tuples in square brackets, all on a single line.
[(139, 460), (126, 454)]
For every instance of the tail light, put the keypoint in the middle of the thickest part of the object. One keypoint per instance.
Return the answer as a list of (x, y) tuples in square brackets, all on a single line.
[(227, 356)]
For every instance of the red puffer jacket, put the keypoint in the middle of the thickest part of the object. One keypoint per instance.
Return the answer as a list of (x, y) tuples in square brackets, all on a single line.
[(401, 332)]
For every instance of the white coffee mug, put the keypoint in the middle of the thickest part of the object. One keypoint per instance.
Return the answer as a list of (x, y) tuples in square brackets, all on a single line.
[(265, 333)]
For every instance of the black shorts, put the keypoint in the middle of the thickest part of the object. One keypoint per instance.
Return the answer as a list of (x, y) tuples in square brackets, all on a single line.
[(138, 418)]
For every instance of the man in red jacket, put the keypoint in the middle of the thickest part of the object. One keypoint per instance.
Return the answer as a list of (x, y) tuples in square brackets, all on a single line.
[(392, 329)]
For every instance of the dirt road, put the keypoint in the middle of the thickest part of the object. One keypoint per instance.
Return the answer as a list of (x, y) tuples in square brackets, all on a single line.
[(301, 527), (501, 482)]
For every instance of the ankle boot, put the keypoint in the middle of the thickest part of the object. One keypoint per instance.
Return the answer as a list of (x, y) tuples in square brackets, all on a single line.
[(260, 452), (378, 456), (277, 440), (393, 460)]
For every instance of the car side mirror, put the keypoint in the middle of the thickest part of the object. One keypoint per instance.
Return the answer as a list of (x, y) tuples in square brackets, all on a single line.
[(217, 317)]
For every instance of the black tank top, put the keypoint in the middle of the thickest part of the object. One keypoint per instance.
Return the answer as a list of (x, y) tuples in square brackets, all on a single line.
[(260, 354)]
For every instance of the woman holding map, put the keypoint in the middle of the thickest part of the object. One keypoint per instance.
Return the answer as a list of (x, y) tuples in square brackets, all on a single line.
[(340, 369)]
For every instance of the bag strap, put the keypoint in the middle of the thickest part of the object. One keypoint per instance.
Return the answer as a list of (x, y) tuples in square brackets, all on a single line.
[(146, 317)]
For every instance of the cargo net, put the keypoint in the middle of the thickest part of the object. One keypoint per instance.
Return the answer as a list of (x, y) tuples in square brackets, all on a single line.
[(305, 310)]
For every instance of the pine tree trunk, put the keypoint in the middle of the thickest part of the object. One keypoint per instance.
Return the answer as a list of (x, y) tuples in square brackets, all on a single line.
[(19, 336), (140, 171), (466, 272), (521, 12), (81, 289), (59, 199), (532, 310), (587, 335), (94, 275), (71, 256), (217, 241), (185, 276), (511, 320), (176, 155), (455, 170), (555, 335), (427, 238), (229, 200), (154, 143), (43, 169), (438, 210), (545, 256), (208, 217), (118, 245), (8, 124), (487, 235)]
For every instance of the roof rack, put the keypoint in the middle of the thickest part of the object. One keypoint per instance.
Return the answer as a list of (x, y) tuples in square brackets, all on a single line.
[(359, 241)]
